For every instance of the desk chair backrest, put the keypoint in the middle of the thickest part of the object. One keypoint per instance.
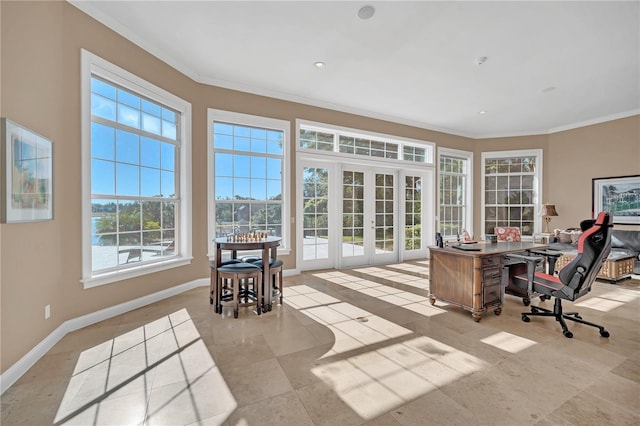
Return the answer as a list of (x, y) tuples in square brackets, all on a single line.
[(507, 233), (594, 246)]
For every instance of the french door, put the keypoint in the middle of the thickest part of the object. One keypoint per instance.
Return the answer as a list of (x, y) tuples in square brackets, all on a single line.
[(369, 215), (351, 215)]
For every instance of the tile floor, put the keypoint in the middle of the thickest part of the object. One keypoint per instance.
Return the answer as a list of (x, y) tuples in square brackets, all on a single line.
[(349, 347)]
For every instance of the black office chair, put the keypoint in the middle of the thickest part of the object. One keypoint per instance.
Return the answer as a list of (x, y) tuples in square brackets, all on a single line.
[(574, 280)]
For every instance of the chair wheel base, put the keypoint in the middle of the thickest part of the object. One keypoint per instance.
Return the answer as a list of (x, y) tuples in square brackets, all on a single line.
[(567, 334), (604, 333)]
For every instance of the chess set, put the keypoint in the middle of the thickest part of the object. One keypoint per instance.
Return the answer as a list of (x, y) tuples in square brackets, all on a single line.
[(247, 237)]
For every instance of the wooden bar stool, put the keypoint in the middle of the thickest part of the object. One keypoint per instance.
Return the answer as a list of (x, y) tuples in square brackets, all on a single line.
[(213, 286), (239, 284), (275, 280)]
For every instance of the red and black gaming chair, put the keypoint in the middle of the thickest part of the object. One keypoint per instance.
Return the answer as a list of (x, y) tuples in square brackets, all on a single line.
[(575, 279)]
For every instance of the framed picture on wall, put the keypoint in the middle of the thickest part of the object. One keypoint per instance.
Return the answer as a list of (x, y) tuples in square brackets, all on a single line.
[(618, 195), (27, 187)]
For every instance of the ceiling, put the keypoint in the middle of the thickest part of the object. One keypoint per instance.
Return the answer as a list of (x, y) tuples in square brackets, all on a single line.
[(549, 66)]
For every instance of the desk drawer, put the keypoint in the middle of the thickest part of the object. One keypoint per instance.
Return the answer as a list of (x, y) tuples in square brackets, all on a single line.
[(491, 261), (491, 295), (491, 276)]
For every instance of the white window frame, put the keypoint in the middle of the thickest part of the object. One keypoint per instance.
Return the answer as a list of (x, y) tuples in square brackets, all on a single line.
[(217, 115), (465, 155), (338, 131), (94, 65), (537, 183)]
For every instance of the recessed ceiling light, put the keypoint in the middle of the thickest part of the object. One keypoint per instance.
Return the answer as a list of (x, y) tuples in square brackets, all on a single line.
[(319, 64), (481, 60), (483, 112), (548, 89), (366, 12)]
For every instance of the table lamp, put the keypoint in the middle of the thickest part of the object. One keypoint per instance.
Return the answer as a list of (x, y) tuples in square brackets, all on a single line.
[(547, 212)]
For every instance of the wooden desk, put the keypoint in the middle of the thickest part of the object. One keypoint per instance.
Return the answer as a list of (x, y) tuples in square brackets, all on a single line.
[(269, 247), (472, 279)]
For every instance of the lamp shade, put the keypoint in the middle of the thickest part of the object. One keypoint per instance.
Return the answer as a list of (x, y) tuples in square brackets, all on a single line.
[(548, 210)]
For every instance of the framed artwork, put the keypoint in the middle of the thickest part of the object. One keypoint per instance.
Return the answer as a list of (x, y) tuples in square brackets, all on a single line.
[(618, 195), (27, 187)]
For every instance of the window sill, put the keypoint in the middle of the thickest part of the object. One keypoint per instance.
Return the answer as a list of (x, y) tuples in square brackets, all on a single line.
[(98, 280)]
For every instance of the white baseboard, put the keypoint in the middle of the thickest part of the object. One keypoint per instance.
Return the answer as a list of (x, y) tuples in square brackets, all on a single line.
[(13, 373)]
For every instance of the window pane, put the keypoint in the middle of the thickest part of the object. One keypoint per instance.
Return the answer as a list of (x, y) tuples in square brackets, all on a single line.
[(258, 189), (223, 129), (168, 184), (128, 99), (224, 188), (223, 164), (152, 217), (151, 108), (127, 180), (242, 190), (102, 177), (128, 116), (103, 107), (169, 116), (258, 167), (242, 166), (149, 152), (127, 148), (102, 88), (274, 189), (103, 219), (169, 130), (150, 124), (149, 182), (128, 216), (168, 156), (222, 141), (102, 142)]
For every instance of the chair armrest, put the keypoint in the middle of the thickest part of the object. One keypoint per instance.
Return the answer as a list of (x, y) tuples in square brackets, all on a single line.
[(551, 255), (521, 258), (531, 261), (546, 252)]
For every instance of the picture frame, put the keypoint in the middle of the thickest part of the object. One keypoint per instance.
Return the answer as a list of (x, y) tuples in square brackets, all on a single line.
[(619, 195), (27, 187)]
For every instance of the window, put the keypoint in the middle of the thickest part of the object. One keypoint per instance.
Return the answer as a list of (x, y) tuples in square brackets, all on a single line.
[(455, 192), (315, 217), (512, 183), (352, 142), (135, 186), (247, 174)]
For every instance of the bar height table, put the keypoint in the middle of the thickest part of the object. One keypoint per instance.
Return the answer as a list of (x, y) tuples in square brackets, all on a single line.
[(269, 247)]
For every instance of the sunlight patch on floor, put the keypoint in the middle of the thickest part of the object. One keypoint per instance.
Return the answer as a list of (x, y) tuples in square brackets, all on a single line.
[(378, 381), (352, 327), (395, 276), (395, 296), (508, 342), (410, 267), (149, 374), (611, 300)]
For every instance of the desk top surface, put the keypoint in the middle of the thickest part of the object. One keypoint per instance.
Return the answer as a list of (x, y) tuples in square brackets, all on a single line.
[(485, 249)]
